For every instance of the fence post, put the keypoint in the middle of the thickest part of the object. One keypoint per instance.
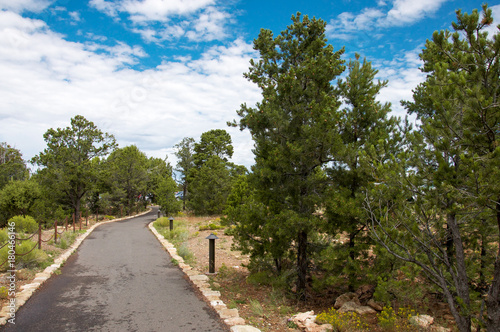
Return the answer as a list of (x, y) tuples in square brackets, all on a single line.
[(87, 219), (66, 223), (39, 236), (74, 223), (80, 219), (97, 217), (55, 232)]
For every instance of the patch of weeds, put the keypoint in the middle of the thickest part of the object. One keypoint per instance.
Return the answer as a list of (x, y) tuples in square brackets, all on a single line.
[(391, 320), (186, 254), (175, 262), (342, 321), (256, 308), (57, 272), (210, 226), (4, 292)]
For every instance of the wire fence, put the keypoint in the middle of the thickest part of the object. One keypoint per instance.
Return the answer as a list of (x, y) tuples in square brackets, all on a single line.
[(18, 240)]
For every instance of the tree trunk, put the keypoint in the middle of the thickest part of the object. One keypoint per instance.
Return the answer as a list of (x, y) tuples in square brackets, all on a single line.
[(493, 297), (302, 264), (352, 256), (463, 315)]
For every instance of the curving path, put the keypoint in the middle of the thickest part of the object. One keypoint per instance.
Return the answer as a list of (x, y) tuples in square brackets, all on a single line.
[(120, 279)]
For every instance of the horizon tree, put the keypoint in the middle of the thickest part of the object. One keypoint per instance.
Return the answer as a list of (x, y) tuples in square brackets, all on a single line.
[(66, 163)]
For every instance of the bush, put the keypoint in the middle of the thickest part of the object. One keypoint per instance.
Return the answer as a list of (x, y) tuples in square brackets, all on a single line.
[(24, 224), (389, 320), (4, 235), (342, 321), (35, 258), (67, 239)]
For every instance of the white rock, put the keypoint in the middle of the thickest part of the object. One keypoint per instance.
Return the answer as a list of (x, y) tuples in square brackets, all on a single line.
[(422, 320)]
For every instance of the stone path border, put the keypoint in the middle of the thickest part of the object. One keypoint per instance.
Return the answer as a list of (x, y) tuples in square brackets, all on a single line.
[(28, 289), (230, 316)]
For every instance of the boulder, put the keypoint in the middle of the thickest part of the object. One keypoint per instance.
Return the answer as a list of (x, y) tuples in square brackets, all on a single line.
[(365, 293), (356, 307), (423, 321), (347, 297), (438, 328), (375, 305), (303, 318)]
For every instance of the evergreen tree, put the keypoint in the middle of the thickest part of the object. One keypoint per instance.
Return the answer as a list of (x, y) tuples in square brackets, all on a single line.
[(294, 128), (451, 170), (68, 172), (364, 124), (185, 163), (12, 165)]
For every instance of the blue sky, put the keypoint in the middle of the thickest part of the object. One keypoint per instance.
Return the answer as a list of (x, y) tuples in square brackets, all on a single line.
[(151, 72)]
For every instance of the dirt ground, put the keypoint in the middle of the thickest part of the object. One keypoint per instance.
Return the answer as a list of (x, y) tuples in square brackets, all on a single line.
[(260, 305)]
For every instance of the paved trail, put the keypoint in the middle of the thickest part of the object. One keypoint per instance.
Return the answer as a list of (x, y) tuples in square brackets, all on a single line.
[(120, 279)]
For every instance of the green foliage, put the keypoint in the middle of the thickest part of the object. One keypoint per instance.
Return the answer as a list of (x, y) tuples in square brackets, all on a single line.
[(437, 204), (12, 165), (295, 132), (18, 198), (128, 168), (67, 238), (213, 143), (390, 320), (4, 292), (4, 235), (24, 224), (210, 186), (186, 254), (342, 321), (24, 258), (68, 171)]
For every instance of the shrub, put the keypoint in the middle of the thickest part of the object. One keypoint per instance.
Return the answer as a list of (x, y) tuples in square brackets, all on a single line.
[(4, 293), (4, 235), (24, 224), (67, 239), (25, 256), (210, 226), (185, 253), (389, 320), (342, 321)]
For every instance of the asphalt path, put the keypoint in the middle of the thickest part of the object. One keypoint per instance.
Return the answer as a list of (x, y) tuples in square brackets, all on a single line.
[(120, 279)]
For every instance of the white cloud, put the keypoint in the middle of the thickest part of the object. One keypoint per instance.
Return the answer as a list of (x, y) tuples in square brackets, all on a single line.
[(196, 20), (403, 12), (151, 10), (493, 29), (410, 11), (47, 80), (209, 25), (403, 75), (19, 6)]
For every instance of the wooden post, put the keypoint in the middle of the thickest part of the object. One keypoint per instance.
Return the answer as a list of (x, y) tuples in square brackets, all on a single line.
[(39, 236), (74, 223), (87, 219), (80, 219), (66, 223), (55, 232)]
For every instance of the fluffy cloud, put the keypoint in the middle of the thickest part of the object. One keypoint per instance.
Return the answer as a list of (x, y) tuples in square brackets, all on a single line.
[(197, 20), (403, 12), (19, 6), (46, 80)]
